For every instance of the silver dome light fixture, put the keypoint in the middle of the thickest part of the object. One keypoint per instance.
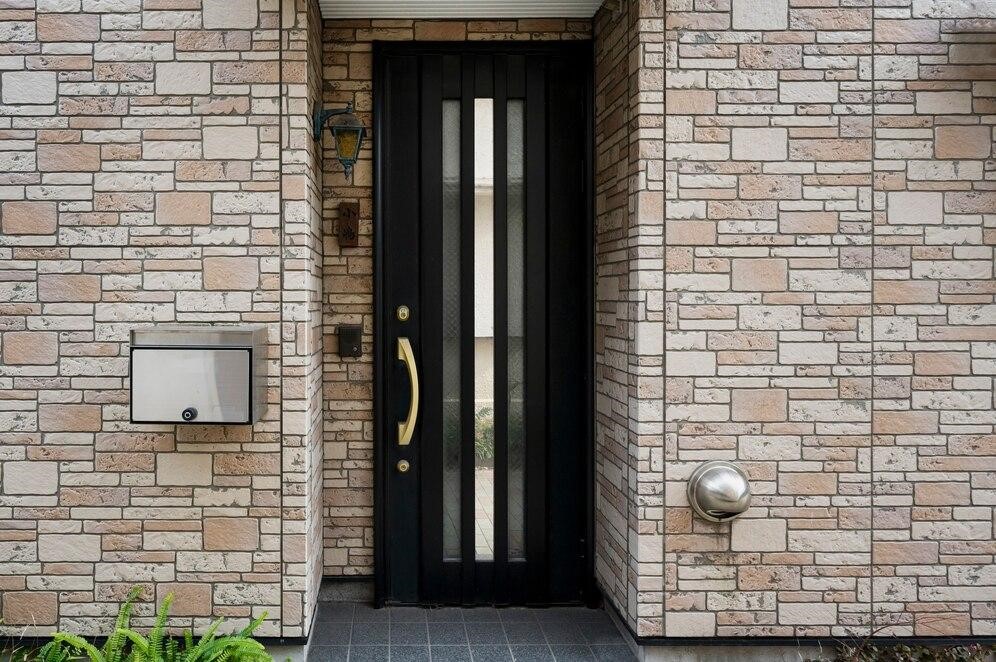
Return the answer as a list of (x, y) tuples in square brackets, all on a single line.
[(719, 491)]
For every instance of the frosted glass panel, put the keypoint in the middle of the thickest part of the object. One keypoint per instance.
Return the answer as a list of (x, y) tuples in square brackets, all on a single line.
[(484, 330), (451, 329), (516, 331)]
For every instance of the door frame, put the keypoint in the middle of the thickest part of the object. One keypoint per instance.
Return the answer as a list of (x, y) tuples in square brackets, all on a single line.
[(382, 361)]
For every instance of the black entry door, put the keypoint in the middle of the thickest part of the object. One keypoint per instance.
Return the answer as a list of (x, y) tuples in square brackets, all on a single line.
[(483, 322)]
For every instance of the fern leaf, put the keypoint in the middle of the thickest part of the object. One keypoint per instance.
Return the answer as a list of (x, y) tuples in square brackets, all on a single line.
[(248, 630), (159, 629), (80, 644), (194, 654), (139, 644), (114, 648)]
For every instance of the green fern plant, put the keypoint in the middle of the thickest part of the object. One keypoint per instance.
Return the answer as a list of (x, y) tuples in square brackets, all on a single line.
[(127, 645)]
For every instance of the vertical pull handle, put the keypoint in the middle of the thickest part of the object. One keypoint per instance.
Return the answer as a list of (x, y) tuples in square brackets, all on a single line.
[(407, 427)]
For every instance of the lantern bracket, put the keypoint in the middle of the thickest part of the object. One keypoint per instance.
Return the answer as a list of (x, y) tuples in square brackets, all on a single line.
[(321, 115)]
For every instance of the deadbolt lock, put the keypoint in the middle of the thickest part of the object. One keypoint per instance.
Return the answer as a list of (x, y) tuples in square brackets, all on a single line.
[(403, 313), (403, 466)]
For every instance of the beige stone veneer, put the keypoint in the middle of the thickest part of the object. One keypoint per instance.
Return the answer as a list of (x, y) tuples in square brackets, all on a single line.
[(795, 221), (156, 166)]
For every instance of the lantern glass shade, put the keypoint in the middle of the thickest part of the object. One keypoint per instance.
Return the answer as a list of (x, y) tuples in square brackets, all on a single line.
[(347, 131)]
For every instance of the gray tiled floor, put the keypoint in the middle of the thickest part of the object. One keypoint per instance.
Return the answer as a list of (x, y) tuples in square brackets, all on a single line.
[(349, 632)]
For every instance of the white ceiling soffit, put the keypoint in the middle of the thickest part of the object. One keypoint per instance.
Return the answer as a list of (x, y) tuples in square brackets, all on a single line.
[(458, 8)]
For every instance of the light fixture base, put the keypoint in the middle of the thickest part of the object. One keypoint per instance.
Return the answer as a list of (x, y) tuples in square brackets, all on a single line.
[(319, 116)]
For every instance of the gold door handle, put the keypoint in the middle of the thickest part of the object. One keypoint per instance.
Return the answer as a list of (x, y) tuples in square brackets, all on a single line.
[(407, 427)]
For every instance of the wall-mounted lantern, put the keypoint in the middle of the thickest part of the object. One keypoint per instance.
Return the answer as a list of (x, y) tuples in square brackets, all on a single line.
[(347, 131)]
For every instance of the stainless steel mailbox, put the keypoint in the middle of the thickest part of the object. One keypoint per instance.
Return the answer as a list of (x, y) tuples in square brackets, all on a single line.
[(198, 374)]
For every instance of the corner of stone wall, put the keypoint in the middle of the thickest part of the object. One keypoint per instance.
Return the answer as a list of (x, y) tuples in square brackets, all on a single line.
[(630, 310), (302, 338)]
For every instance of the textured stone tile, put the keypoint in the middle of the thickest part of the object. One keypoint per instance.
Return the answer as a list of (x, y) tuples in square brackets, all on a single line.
[(27, 87), (242, 14), (231, 273), (69, 418), (189, 599), (70, 157), (30, 347), (30, 608), (231, 533), (963, 142), (183, 78), (231, 142), (30, 478), (69, 547), (768, 144), (760, 14), (183, 208), (183, 469), (27, 217), (69, 287), (68, 27)]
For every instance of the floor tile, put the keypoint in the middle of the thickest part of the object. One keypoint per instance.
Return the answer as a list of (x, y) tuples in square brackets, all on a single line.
[(532, 654), (450, 653), (517, 615), (454, 634), (367, 613), (328, 653), (409, 654), (562, 633), (491, 653), (601, 633), (572, 653), (569, 614), (445, 614), (407, 614), (330, 633), (371, 634), (368, 654), (524, 633), (618, 653), (409, 634), (335, 611), (476, 614), (447, 634), (486, 633), (583, 614)]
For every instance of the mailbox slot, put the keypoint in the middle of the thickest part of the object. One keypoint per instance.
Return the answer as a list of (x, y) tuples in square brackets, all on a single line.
[(197, 375)]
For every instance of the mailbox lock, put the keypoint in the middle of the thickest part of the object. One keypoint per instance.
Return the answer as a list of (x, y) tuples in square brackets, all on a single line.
[(188, 414)]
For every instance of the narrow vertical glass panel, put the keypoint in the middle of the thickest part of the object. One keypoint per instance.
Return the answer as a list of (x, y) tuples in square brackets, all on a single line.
[(516, 330), (451, 329), (484, 330)]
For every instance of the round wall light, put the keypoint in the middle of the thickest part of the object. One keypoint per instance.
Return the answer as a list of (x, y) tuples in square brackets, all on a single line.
[(719, 491)]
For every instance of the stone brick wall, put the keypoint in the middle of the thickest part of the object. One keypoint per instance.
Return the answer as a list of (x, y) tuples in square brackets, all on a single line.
[(348, 272), (629, 313), (814, 299), (144, 166), (934, 319), (830, 318), (301, 332)]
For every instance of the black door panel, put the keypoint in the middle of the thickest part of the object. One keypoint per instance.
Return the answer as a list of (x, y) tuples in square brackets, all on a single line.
[(483, 231)]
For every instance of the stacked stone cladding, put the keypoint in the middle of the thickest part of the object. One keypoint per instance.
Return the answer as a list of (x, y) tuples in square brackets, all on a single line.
[(146, 163)]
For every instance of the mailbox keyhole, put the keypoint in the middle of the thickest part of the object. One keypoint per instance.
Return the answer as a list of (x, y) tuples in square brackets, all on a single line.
[(188, 414)]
